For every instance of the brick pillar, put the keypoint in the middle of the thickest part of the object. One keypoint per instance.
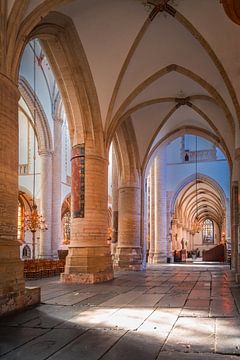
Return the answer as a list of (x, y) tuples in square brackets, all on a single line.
[(12, 285), (152, 215), (234, 223), (45, 248), (89, 259), (114, 204), (56, 186), (161, 240), (236, 217), (129, 252)]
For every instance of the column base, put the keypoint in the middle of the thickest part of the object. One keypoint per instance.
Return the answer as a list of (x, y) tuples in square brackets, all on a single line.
[(113, 249), (128, 258), (86, 278), (237, 278), (150, 258), (88, 265), (159, 259), (13, 294)]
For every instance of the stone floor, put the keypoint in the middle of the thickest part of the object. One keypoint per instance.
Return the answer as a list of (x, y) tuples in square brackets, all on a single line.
[(167, 312)]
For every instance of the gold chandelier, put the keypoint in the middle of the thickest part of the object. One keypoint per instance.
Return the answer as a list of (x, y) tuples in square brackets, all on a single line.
[(34, 221), (196, 224)]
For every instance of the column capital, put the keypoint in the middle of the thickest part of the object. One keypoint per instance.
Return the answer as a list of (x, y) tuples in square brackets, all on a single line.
[(45, 152), (237, 154), (57, 119), (10, 83)]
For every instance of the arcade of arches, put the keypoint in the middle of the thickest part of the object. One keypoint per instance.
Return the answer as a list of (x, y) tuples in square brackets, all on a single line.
[(125, 116)]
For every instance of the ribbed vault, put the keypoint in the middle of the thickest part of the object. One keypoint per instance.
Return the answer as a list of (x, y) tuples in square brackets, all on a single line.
[(200, 198)]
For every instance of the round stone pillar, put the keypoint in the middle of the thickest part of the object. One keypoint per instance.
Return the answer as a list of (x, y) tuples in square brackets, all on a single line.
[(152, 215), (234, 224), (236, 218), (114, 204), (89, 258), (56, 186), (145, 238), (161, 240), (45, 246), (12, 285), (129, 252)]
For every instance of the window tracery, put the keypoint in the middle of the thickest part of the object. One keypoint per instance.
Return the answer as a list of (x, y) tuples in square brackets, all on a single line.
[(208, 232)]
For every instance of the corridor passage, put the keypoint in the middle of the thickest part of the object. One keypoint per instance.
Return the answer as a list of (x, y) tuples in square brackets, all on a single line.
[(167, 312)]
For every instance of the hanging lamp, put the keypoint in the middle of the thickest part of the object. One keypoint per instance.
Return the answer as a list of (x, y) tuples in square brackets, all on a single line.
[(196, 225)]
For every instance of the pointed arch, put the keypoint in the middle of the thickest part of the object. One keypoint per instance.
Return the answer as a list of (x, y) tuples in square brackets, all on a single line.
[(43, 132)]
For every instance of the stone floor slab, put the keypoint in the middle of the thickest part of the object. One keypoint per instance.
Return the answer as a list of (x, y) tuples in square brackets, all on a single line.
[(70, 298), (223, 308), (120, 319), (172, 301), (134, 346), (90, 346), (194, 356), (14, 337), (146, 300), (122, 300), (43, 346), (197, 336), (228, 336)]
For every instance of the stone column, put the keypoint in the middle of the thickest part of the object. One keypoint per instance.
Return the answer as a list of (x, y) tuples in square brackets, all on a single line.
[(89, 258), (234, 222), (56, 186), (129, 252), (145, 224), (114, 204), (45, 248), (184, 237), (161, 240), (180, 236), (12, 285), (236, 216), (152, 215)]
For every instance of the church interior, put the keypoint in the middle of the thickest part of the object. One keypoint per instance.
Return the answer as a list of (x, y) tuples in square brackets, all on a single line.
[(119, 178)]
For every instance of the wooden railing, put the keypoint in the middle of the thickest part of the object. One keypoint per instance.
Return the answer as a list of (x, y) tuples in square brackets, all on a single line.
[(214, 254), (37, 269)]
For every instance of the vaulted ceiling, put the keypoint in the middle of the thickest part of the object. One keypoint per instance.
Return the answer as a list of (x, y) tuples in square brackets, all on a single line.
[(168, 66)]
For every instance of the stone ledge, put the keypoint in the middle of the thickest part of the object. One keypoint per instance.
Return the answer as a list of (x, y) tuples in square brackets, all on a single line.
[(86, 278), (32, 295), (122, 266), (19, 300)]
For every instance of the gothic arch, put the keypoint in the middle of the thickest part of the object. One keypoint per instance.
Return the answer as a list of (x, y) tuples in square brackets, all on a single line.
[(127, 156), (196, 34), (121, 115), (56, 33), (43, 132), (191, 178), (188, 130)]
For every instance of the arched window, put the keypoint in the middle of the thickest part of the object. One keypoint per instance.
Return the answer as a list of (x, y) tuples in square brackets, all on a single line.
[(26, 252), (20, 232), (208, 232), (66, 227)]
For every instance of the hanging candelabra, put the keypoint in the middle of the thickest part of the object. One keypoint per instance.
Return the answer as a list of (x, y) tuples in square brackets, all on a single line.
[(34, 221)]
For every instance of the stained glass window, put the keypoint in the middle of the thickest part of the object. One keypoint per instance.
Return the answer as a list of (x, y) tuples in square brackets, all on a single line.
[(208, 232)]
